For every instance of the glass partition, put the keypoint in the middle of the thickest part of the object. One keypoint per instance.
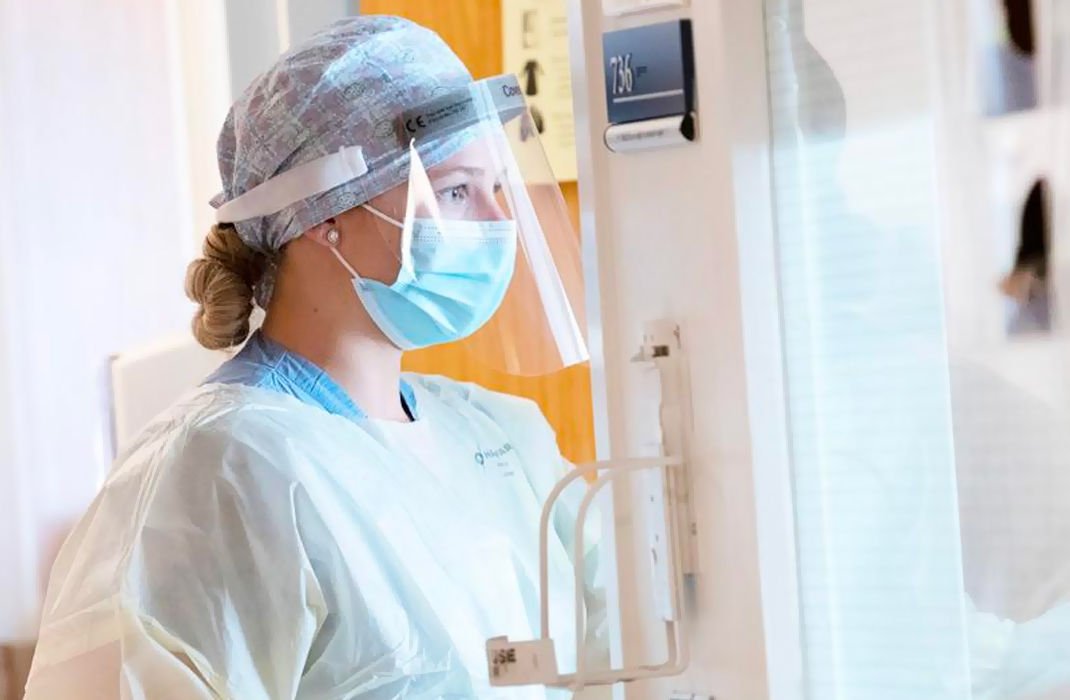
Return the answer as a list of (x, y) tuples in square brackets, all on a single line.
[(917, 193)]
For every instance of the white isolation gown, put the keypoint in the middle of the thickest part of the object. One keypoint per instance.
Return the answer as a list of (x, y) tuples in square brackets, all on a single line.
[(252, 546)]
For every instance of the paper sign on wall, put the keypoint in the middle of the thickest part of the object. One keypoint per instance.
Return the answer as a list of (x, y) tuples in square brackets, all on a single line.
[(535, 47)]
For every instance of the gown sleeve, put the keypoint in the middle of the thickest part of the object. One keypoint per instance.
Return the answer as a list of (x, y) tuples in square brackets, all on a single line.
[(186, 579)]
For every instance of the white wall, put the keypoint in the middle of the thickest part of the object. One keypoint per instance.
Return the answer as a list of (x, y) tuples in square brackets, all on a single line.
[(307, 17), (253, 37), (259, 30), (201, 61), (93, 245)]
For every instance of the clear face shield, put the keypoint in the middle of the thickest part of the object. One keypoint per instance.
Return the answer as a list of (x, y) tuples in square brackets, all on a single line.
[(488, 255)]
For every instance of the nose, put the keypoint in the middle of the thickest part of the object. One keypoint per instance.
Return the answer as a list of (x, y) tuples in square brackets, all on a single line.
[(492, 210)]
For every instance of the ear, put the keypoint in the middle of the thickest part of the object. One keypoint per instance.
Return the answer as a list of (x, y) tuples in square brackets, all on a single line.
[(318, 233)]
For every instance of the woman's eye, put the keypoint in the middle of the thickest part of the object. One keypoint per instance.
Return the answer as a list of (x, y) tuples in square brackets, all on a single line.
[(455, 195)]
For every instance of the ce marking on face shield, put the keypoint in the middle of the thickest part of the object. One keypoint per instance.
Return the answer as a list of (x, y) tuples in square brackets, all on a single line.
[(415, 124)]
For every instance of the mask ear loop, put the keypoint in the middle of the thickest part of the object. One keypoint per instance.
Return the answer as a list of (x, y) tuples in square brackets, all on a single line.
[(332, 240), (405, 272), (384, 217)]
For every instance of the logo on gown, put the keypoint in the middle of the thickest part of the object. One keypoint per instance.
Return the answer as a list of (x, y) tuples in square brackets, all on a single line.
[(495, 458)]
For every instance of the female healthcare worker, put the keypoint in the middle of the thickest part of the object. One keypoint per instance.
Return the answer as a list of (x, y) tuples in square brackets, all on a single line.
[(310, 523)]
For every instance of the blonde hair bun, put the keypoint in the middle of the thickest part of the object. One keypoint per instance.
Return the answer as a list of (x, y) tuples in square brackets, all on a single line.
[(222, 281)]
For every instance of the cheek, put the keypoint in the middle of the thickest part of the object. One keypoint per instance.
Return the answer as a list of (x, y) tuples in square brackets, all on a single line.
[(374, 253)]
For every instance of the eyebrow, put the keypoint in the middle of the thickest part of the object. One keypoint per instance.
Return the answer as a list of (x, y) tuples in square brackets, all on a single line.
[(473, 171)]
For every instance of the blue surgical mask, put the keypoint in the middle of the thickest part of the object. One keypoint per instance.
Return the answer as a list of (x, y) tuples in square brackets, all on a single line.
[(453, 277)]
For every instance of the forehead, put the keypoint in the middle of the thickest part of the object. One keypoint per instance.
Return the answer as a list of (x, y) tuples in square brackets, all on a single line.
[(482, 153)]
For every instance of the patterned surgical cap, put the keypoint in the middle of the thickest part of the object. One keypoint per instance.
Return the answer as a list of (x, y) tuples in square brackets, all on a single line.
[(344, 86)]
